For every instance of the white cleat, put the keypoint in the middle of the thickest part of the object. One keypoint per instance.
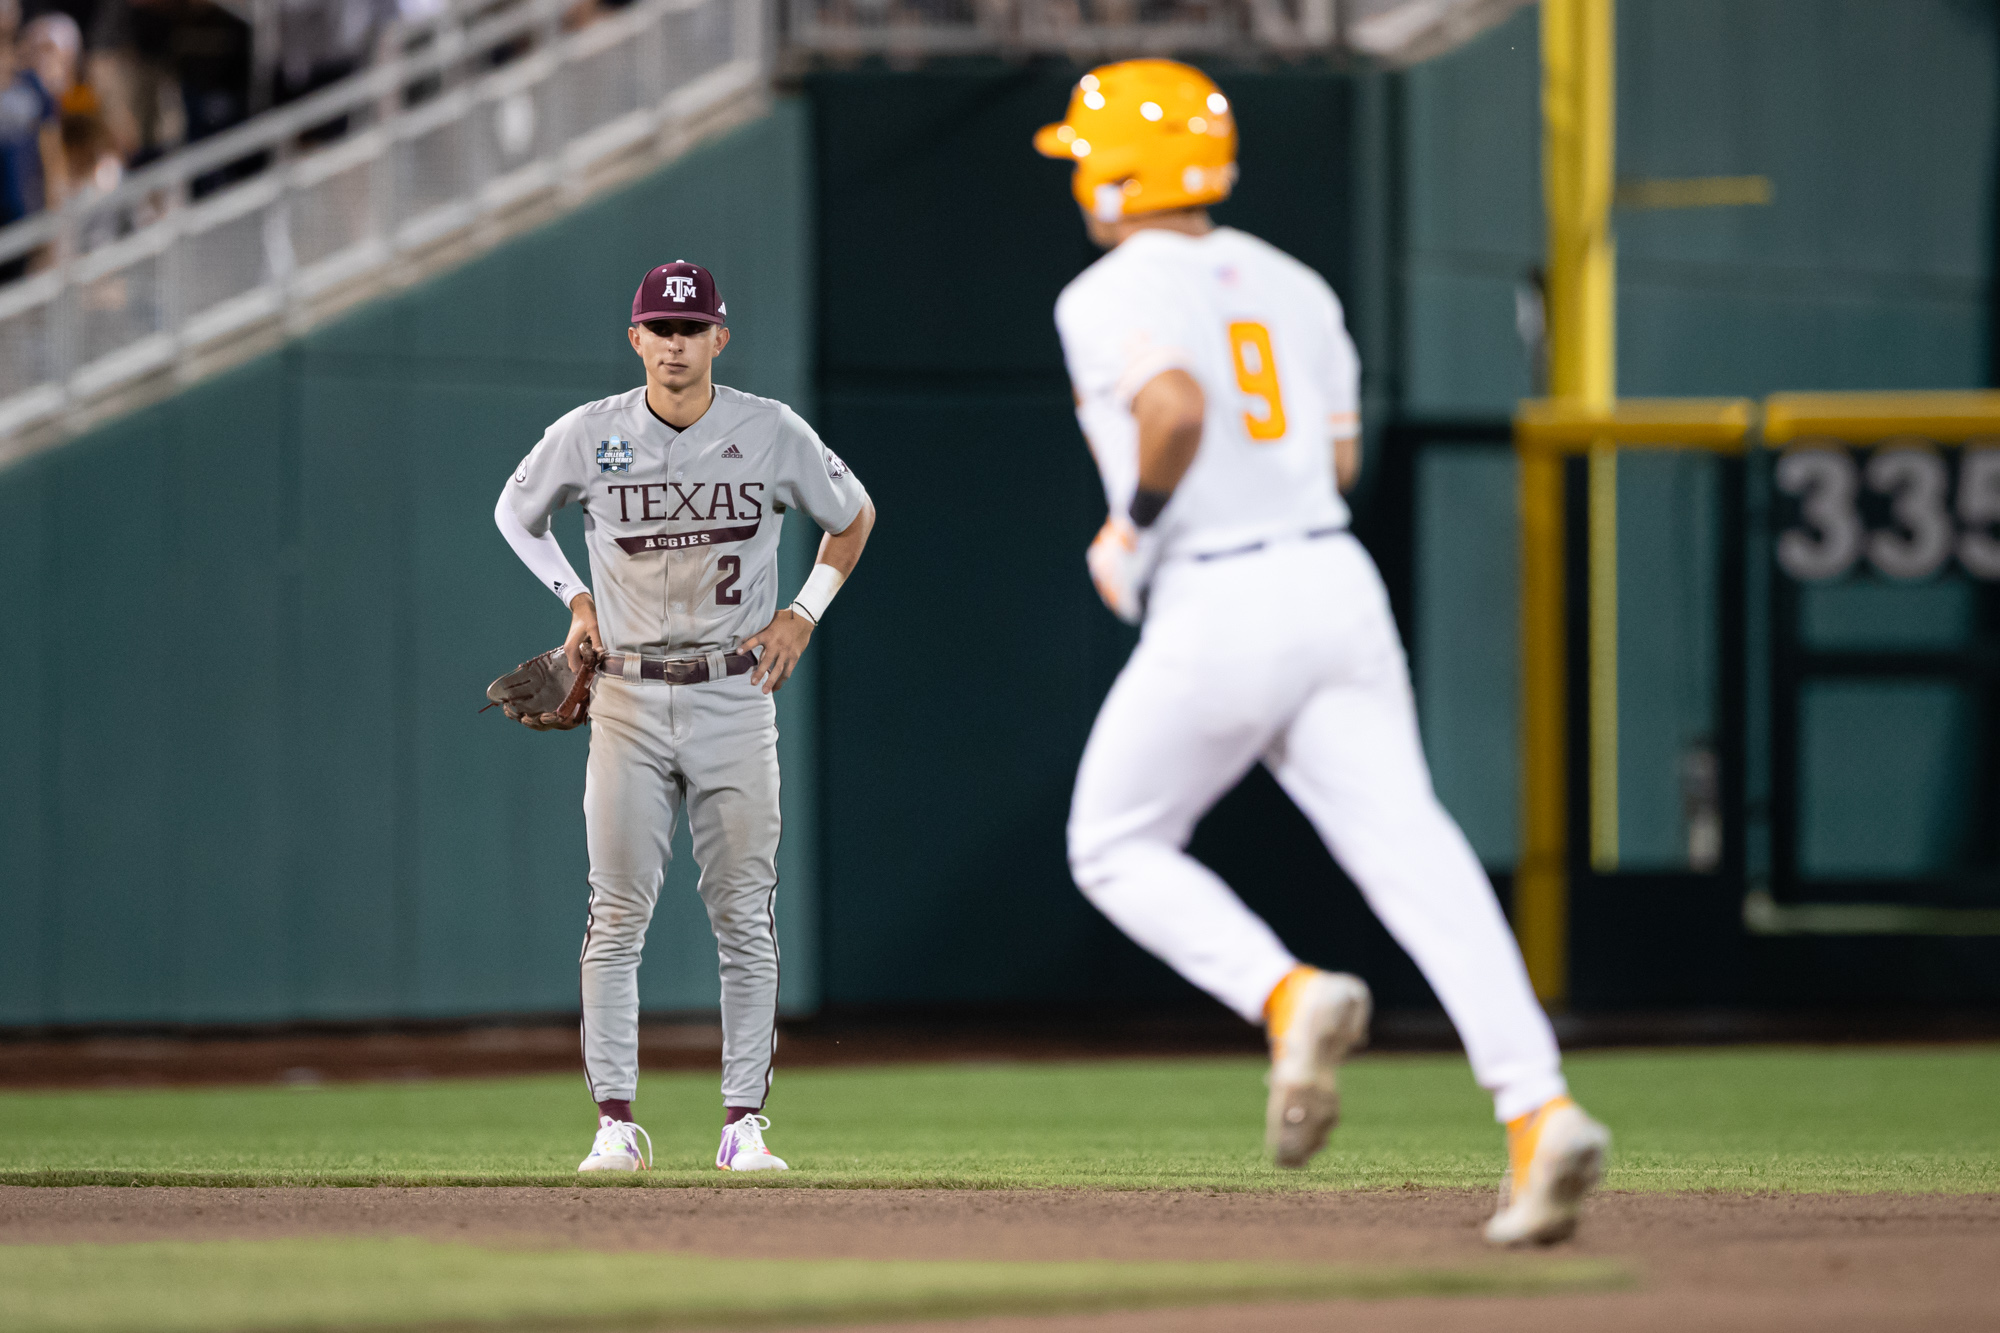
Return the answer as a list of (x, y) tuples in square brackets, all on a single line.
[(616, 1147), (1324, 1018), (743, 1149), (1556, 1157)]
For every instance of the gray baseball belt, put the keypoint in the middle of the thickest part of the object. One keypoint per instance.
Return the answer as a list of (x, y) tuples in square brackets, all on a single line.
[(676, 670)]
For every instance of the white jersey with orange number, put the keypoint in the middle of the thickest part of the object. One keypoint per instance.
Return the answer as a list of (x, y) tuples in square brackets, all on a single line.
[(1263, 336), (1275, 651)]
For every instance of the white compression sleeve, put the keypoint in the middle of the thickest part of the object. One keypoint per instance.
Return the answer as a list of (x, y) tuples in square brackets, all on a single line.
[(543, 555)]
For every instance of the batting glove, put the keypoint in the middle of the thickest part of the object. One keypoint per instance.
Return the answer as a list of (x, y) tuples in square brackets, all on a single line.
[(1121, 562)]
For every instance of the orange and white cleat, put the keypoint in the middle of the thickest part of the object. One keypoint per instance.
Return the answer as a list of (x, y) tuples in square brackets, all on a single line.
[(1555, 1157), (1314, 1019)]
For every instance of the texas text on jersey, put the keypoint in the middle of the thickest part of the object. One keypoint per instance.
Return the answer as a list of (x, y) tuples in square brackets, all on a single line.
[(683, 526)]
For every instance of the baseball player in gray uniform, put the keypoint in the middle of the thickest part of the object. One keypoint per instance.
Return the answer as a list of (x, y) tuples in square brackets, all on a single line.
[(684, 485)]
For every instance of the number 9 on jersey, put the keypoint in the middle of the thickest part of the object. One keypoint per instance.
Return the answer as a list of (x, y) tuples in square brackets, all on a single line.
[(1257, 377)]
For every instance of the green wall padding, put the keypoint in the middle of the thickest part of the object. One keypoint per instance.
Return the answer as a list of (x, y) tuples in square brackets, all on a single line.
[(976, 655), (251, 782), (1887, 772), (1876, 122), (1868, 612), (1466, 642), (1669, 648), (1873, 119)]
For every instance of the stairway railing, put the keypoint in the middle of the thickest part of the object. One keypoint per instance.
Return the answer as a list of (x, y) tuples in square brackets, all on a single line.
[(1080, 29), (242, 229)]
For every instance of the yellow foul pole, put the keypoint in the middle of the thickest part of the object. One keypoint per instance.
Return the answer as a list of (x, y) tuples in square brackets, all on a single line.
[(1577, 145)]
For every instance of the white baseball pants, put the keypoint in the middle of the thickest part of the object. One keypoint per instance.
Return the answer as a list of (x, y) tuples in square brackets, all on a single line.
[(1290, 655), (654, 746)]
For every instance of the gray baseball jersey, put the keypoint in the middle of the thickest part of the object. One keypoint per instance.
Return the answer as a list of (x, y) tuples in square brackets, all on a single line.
[(683, 526)]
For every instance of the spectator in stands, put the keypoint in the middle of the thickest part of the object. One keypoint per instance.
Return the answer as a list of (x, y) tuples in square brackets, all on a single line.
[(52, 46), (83, 12), (91, 161), (132, 66), (28, 138), (323, 41), (92, 167), (211, 50)]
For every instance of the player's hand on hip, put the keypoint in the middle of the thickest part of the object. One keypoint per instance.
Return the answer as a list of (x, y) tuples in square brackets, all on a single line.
[(1118, 566), (784, 642), (584, 645)]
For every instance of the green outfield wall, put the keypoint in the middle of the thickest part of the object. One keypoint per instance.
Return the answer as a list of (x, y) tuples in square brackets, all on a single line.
[(247, 780), (1871, 268), (943, 243), (974, 651)]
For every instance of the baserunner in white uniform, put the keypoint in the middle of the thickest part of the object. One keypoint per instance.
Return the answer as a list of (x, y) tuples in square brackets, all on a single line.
[(684, 485), (1218, 390)]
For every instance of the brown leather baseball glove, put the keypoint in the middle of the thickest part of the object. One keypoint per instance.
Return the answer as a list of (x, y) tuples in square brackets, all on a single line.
[(544, 694)]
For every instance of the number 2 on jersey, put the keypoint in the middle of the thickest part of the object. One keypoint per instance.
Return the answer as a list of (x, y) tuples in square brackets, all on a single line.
[(1257, 376), (726, 592)]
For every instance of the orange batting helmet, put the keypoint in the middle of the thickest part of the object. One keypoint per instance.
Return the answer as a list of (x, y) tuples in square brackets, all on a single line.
[(1145, 135)]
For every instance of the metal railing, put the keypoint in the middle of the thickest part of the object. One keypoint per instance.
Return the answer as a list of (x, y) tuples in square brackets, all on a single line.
[(1393, 32), (1083, 28), (239, 230)]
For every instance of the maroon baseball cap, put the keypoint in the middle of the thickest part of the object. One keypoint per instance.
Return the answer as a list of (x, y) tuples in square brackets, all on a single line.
[(679, 290)]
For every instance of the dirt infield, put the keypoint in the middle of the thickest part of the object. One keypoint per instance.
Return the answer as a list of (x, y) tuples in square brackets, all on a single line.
[(109, 1060), (1702, 1261)]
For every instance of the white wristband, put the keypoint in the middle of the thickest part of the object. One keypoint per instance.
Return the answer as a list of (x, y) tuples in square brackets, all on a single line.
[(820, 587)]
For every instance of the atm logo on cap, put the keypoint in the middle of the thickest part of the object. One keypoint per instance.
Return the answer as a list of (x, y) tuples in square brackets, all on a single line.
[(680, 288)]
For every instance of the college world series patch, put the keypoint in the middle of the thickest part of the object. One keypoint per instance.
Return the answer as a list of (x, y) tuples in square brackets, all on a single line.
[(614, 455)]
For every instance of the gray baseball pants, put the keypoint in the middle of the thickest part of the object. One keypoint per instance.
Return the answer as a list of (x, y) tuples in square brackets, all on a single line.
[(653, 747)]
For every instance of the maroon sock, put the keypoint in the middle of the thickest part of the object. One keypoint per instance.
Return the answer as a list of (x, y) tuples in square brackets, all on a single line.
[(616, 1110), (732, 1114)]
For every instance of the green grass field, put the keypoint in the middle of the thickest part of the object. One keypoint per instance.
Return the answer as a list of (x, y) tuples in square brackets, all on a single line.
[(1757, 1120), (403, 1282), (1744, 1119)]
